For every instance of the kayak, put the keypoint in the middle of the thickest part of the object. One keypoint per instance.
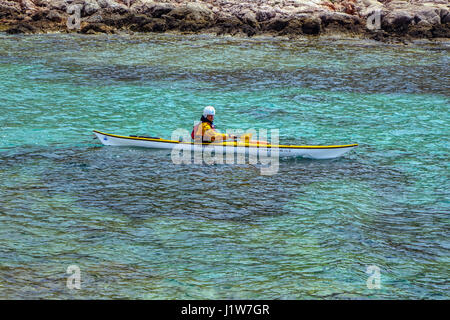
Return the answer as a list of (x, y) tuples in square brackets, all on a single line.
[(238, 147)]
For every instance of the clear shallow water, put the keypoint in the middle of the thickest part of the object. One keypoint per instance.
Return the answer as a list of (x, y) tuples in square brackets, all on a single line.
[(141, 227)]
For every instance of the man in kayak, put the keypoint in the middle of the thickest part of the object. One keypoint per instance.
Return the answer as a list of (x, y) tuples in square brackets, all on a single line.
[(205, 131)]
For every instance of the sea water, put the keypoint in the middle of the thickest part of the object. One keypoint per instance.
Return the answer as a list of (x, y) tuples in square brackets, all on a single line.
[(371, 224)]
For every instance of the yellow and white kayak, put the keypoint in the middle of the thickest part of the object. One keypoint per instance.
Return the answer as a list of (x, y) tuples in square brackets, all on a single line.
[(252, 147)]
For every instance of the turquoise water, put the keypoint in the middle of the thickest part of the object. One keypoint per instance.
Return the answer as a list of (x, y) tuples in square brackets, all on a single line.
[(140, 227)]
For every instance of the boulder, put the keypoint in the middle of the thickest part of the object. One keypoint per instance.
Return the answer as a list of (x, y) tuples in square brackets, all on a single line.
[(22, 27), (157, 10), (40, 15), (341, 22), (28, 5), (276, 24), (54, 16), (191, 17), (155, 25), (248, 30), (9, 9), (200, 11), (95, 18), (89, 8), (111, 6), (60, 5), (142, 6), (429, 16), (95, 28), (264, 15), (441, 31), (311, 26), (445, 18), (228, 24), (397, 21), (249, 17)]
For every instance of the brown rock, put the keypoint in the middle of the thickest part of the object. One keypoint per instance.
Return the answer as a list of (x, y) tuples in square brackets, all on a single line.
[(397, 22), (22, 27), (429, 16), (40, 15), (249, 18), (89, 8), (160, 9), (94, 28), (277, 24), (156, 25), (111, 6), (9, 9), (311, 26), (60, 5), (264, 15), (341, 22), (228, 25), (55, 16)]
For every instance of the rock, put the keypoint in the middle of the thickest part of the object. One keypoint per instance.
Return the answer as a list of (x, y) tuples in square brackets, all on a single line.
[(228, 25), (249, 18), (445, 18), (40, 15), (9, 9), (399, 18), (441, 31), (95, 28), (248, 30), (111, 6), (428, 17), (160, 9), (23, 27), (89, 8), (420, 31), (28, 5), (277, 24), (55, 16), (156, 25), (60, 5), (140, 20), (311, 26), (264, 15), (142, 6), (200, 11), (294, 27), (341, 22), (118, 21), (96, 18), (397, 22), (178, 13), (189, 18)]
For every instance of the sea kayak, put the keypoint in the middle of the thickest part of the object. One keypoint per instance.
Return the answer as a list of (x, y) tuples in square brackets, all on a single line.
[(239, 147)]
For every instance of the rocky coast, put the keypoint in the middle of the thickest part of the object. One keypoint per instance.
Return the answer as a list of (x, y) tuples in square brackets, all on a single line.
[(380, 20)]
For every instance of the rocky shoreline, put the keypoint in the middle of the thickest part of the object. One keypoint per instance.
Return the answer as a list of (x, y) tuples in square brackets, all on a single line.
[(383, 20)]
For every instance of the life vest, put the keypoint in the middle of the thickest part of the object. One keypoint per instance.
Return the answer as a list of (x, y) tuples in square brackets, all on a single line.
[(195, 130), (203, 119)]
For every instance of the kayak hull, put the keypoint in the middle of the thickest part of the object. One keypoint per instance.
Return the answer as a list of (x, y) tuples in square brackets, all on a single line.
[(312, 152)]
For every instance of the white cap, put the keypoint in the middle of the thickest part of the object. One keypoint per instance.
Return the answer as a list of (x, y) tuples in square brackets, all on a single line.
[(209, 111)]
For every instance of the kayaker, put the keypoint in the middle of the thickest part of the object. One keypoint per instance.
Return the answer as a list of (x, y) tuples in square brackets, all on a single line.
[(205, 131)]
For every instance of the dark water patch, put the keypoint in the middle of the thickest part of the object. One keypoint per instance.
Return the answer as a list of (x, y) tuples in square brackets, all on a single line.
[(141, 183), (390, 79)]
